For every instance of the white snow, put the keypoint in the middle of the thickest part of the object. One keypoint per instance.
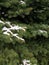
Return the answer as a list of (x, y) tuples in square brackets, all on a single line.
[(7, 31), (22, 2), (8, 23), (15, 35), (42, 31), (26, 62), (17, 28), (5, 28), (20, 38)]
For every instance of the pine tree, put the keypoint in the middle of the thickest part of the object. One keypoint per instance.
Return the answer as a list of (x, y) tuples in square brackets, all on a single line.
[(24, 32)]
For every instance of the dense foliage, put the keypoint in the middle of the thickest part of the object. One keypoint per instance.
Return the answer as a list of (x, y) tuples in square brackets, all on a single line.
[(32, 42)]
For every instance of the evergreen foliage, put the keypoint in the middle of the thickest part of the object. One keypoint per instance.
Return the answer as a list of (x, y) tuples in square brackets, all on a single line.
[(30, 39)]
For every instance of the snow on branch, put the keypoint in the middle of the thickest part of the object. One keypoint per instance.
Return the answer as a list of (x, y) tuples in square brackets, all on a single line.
[(12, 27)]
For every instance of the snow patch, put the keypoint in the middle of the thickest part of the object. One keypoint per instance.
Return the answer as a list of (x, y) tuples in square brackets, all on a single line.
[(22, 2), (42, 31), (7, 31), (26, 62)]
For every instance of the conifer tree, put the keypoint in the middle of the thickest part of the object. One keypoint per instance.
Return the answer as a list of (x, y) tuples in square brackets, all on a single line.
[(24, 32)]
